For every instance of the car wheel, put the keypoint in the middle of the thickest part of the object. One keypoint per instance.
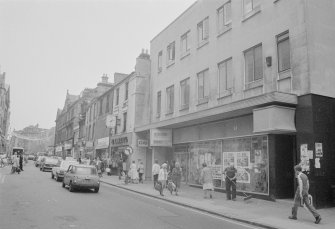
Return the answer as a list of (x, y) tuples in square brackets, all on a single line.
[(40, 169), (71, 189), (96, 190), (52, 176), (63, 184)]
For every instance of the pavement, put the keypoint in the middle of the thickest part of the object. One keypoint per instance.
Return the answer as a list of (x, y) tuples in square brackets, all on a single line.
[(257, 212)]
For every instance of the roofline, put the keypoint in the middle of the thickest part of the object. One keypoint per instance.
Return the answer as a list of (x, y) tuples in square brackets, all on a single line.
[(174, 20)]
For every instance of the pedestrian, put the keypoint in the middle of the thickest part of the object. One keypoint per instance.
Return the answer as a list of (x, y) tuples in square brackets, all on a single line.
[(301, 195), (176, 177), (120, 167), (140, 172), (16, 165), (206, 179), (133, 172), (162, 178), (155, 171), (98, 166), (21, 162), (230, 180)]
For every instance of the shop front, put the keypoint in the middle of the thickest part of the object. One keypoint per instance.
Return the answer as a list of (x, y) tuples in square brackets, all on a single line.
[(263, 158), (121, 149), (89, 150), (101, 148), (68, 149), (59, 151)]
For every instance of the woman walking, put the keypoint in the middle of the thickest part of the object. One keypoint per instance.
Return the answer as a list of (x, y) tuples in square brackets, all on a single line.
[(176, 176), (206, 179), (133, 172), (140, 172), (162, 178)]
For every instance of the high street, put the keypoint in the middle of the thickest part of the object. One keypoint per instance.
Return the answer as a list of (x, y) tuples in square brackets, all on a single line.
[(33, 200)]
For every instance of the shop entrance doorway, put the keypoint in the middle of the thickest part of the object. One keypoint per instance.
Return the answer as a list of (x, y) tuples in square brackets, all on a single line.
[(183, 159)]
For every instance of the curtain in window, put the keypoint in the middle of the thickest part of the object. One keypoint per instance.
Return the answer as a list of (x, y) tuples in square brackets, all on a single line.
[(258, 63), (249, 66)]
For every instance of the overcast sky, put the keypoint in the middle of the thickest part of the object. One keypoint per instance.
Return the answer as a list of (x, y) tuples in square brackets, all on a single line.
[(49, 46)]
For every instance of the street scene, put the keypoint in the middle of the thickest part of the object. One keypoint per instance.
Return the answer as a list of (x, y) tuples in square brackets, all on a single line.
[(167, 114)]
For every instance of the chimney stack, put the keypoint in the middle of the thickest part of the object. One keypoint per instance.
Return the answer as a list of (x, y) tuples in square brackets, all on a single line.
[(104, 78)]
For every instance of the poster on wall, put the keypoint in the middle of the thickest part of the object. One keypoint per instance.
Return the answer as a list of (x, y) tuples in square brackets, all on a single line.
[(304, 158), (318, 149), (216, 172), (241, 162), (303, 150)]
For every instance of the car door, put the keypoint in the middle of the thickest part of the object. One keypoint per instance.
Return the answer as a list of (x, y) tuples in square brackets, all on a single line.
[(67, 175)]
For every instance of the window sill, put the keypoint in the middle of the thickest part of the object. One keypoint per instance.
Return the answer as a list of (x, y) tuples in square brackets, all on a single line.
[(159, 70), (225, 30), (254, 84), (284, 74), (252, 13), (203, 43), (202, 101), (170, 64), (169, 113), (184, 55), (225, 94), (184, 107)]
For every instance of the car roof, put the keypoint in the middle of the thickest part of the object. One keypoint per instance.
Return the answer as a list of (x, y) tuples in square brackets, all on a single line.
[(84, 166)]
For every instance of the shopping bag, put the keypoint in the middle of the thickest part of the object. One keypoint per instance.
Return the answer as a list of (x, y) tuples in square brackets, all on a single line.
[(158, 186)]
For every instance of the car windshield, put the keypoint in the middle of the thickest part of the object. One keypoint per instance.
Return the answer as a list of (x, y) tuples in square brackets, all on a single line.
[(51, 161), (85, 170), (65, 164)]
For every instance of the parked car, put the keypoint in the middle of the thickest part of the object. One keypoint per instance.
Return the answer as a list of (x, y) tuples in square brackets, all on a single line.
[(48, 164), (31, 157), (81, 177), (39, 161), (58, 172)]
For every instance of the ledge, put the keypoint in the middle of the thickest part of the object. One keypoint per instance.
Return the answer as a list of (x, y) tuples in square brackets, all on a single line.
[(203, 43), (225, 30), (184, 55), (254, 84), (252, 13), (170, 64)]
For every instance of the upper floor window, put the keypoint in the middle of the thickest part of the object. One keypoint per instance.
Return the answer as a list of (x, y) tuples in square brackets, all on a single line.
[(203, 31), (203, 87), (283, 46), (107, 103), (117, 96), (159, 102), (125, 122), (224, 17), (171, 51), (250, 5), (100, 106), (253, 64), (170, 99), (184, 43), (185, 93), (160, 55), (225, 76), (126, 90)]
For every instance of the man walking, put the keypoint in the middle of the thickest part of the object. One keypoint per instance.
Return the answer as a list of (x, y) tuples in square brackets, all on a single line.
[(301, 196), (230, 175), (155, 171)]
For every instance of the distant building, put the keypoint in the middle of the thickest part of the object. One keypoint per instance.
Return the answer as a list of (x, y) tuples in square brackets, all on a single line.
[(69, 120), (4, 112), (249, 82)]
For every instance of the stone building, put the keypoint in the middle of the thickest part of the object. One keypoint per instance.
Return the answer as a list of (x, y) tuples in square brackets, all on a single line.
[(70, 120), (248, 82), (4, 112)]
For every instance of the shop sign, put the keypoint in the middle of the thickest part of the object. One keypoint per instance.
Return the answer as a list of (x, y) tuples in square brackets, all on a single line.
[(161, 137), (120, 140), (59, 149), (142, 143), (67, 146), (102, 143), (89, 144)]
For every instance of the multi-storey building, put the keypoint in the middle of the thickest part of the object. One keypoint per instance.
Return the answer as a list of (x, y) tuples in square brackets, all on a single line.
[(4, 112), (69, 120), (248, 82), (111, 117)]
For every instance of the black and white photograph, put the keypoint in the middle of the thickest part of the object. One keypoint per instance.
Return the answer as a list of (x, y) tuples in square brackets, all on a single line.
[(167, 114)]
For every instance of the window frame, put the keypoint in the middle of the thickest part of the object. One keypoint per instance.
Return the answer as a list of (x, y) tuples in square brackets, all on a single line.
[(205, 85), (124, 129), (160, 61), (171, 50), (126, 93), (281, 38), (254, 66), (159, 103), (185, 51), (227, 89), (185, 94), (204, 24), (222, 23), (117, 97), (170, 97)]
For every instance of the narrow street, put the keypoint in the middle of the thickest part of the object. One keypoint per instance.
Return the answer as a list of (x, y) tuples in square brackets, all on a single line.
[(33, 200)]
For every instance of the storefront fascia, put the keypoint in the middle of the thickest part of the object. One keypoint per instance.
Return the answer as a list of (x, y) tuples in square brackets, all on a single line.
[(119, 144), (161, 144)]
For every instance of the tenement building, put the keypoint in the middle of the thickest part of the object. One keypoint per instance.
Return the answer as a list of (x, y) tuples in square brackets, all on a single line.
[(248, 82), (4, 112)]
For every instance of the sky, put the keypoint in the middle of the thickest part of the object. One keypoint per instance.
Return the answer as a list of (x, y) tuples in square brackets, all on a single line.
[(50, 46)]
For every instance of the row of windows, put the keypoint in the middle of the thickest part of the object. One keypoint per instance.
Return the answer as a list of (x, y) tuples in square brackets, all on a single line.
[(253, 60), (223, 22)]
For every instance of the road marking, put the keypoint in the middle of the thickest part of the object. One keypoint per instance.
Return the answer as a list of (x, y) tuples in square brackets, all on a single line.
[(190, 209)]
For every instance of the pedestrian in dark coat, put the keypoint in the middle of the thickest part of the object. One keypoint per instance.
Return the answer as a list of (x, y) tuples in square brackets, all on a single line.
[(21, 162), (230, 175), (176, 176)]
